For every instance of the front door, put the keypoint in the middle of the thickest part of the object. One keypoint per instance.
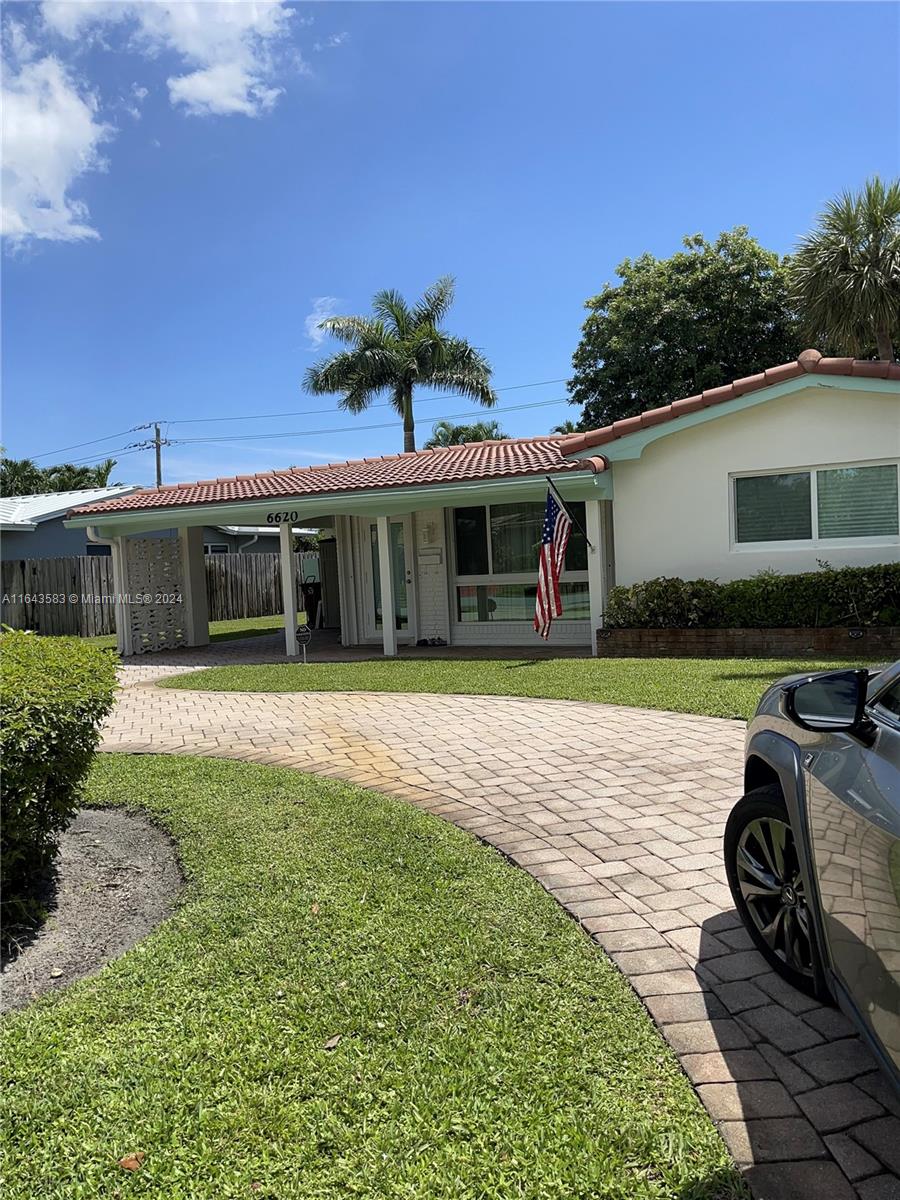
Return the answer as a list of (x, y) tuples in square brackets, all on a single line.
[(404, 614)]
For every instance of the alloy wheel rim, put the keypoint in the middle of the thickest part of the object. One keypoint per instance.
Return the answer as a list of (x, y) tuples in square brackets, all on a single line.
[(768, 874)]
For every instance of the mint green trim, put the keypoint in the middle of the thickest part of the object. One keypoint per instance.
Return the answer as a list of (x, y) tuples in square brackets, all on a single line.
[(573, 485), (632, 446)]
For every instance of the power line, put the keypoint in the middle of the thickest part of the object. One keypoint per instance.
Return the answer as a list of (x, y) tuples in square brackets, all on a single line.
[(117, 454), (259, 437), (309, 412), (109, 437)]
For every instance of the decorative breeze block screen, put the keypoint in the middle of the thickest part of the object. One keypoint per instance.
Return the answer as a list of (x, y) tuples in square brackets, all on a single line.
[(156, 616)]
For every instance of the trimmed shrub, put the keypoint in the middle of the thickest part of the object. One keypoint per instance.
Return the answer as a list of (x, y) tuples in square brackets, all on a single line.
[(828, 597), (54, 692)]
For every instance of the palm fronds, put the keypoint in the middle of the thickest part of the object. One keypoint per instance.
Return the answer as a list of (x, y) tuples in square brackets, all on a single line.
[(845, 275), (400, 347)]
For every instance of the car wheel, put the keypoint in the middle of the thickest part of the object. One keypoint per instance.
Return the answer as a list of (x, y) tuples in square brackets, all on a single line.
[(763, 867)]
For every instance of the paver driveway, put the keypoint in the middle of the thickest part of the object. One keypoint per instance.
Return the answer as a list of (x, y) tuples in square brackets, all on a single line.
[(619, 813)]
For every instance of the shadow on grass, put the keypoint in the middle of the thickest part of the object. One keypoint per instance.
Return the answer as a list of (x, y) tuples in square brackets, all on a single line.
[(718, 1185)]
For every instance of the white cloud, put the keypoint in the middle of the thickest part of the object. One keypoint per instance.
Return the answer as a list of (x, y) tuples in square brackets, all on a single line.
[(138, 96), (51, 136), (223, 89), (332, 42), (322, 307), (232, 45)]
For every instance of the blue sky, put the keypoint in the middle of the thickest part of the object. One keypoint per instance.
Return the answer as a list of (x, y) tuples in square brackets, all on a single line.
[(186, 184)]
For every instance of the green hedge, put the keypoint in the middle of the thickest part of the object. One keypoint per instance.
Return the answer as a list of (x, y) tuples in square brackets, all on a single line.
[(54, 692), (828, 597)]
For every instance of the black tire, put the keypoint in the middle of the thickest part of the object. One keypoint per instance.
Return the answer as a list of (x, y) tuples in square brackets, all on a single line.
[(769, 889)]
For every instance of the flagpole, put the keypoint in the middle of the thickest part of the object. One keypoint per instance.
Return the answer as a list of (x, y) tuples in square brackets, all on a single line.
[(571, 516)]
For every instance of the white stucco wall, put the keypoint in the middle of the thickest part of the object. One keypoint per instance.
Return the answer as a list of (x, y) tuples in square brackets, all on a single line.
[(672, 506)]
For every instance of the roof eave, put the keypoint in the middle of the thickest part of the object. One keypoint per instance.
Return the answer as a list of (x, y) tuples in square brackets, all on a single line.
[(358, 502)]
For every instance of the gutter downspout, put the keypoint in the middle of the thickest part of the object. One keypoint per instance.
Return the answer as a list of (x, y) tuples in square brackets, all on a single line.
[(250, 542), (123, 642)]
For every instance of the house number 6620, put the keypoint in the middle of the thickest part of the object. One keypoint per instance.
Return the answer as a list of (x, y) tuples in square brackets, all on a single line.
[(279, 518)]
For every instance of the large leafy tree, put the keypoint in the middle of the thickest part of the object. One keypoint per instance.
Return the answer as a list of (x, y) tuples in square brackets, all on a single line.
[(445, 433), (23, 477), (675, 326), (395, 350), (845, 276)]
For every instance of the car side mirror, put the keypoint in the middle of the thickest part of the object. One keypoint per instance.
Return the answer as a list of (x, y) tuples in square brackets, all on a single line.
[(828, 703)]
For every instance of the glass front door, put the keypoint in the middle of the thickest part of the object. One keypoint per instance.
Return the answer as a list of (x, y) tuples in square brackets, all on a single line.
[(400, 572)]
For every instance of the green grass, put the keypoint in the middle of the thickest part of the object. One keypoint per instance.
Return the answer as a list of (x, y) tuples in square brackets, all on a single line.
[(487, 1049), (713, 686), (219, 631)]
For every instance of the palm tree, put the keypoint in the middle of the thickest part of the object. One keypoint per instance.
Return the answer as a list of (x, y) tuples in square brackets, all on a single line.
[(565, 427), (845, 276), (400, 347), (445, 433), (68, 477), (21, 477)]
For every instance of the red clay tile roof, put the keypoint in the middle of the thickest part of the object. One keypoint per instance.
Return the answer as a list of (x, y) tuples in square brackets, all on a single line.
[(809, 362), (451, 464)]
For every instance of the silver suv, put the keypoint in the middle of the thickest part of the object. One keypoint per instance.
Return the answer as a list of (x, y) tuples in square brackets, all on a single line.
[(812, 850)]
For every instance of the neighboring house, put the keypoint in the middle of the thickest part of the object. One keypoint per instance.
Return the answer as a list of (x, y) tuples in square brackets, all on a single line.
[(32, 527), (774, 472)]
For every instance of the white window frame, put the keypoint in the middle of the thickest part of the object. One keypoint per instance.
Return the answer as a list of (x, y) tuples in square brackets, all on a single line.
[(491, 579), (216, 548), (814, 542)]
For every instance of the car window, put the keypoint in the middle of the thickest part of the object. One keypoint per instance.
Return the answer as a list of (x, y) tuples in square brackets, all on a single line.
[(890, 700)]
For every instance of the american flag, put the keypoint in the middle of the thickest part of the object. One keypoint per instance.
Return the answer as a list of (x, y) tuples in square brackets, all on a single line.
[(554, 539)]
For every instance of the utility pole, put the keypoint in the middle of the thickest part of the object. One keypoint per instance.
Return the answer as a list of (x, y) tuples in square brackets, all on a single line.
[(157, 442)]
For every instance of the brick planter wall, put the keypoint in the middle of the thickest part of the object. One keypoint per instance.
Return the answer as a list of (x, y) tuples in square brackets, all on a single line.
[(864, 643)]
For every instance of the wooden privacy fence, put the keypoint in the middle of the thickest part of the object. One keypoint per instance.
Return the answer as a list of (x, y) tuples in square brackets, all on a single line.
[(249, 585), (73, 595), (76, 595)]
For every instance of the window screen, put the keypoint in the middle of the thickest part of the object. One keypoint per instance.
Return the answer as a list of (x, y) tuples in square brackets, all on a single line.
[(857, 501), (773, 508)]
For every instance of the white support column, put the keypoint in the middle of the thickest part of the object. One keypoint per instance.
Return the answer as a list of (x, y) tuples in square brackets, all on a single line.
[(121, 606), (346, 590), (597, 585), (193, 586), (388, 623), (288, 589)]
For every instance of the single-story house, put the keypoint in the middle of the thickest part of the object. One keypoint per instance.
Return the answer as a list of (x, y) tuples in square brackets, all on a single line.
[(773, 472), (33, 527)]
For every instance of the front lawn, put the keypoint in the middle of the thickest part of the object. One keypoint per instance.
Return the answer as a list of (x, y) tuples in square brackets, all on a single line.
[(354, 999), (716, 687), (219, 631)]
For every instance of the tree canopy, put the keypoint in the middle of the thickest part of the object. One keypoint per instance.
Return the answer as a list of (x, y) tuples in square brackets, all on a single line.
[(675, 326), (445, 433), (23, 477), (845, 276), (395, 350)]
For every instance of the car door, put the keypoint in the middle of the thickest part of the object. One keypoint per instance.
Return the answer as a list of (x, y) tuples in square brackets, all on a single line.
[(853, 788)]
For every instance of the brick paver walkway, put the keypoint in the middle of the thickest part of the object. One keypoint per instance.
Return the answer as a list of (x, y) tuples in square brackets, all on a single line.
[(619, 814)]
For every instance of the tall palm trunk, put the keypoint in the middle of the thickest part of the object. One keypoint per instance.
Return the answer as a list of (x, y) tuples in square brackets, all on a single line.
[(409, 421), (884, 343)]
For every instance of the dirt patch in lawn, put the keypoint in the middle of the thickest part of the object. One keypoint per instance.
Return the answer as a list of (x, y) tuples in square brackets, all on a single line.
[(117, 876)]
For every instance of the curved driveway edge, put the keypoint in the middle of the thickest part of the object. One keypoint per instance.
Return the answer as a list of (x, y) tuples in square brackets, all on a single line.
[(619, 814)]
